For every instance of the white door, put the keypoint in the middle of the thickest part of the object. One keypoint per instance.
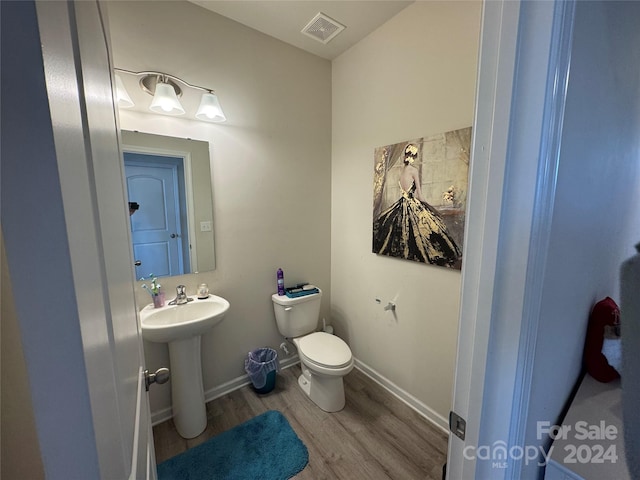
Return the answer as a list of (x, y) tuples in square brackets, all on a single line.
[(110, 197), (77, 68), (157, 236)]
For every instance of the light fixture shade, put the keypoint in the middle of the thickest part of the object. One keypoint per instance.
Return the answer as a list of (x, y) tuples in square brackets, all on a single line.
[(210, 109), (124, 100), (166, 101)]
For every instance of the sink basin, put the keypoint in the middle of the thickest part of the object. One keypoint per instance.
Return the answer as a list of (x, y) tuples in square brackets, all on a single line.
[(178, 322), (181, 327)]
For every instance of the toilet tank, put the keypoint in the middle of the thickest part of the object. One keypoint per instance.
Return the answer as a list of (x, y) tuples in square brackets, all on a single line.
[(297, 316)]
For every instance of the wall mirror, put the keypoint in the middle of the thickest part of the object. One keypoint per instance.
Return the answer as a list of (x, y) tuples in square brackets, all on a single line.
[(168, 182)]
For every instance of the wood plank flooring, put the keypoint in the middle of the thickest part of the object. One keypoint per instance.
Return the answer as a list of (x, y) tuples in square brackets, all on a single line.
[(376, 436)]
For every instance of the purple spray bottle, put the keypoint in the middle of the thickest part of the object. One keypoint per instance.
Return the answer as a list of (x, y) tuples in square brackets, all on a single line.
[(280, 276)]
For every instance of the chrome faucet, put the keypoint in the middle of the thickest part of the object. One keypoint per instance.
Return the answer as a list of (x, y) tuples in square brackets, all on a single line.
[(181, 296)]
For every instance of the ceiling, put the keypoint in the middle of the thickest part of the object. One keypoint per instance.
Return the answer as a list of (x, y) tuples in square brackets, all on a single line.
[(284, 19)]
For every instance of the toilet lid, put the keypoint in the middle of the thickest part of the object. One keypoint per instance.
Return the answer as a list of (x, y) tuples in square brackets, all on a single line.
[(325, 349)]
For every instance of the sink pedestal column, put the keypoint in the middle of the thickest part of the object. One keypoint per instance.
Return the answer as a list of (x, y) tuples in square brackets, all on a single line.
[(187, 392)]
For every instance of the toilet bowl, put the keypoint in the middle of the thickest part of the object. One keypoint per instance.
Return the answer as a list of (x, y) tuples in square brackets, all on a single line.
[(325, 358)]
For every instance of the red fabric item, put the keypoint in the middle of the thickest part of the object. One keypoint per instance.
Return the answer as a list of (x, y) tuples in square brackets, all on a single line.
[(605, 312)]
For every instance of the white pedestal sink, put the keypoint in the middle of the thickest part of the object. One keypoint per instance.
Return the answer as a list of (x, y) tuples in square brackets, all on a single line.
[(181, 326)]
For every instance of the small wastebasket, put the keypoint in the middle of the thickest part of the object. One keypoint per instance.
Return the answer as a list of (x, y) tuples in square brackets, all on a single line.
[(261, 365)]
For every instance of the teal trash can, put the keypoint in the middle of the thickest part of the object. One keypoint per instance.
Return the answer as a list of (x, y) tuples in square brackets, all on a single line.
[(262, 366)]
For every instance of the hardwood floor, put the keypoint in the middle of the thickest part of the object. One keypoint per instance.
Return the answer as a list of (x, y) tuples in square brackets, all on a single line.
[(376, 436)]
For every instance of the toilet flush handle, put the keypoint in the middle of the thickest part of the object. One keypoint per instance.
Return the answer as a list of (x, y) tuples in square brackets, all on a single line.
[(286, 309)]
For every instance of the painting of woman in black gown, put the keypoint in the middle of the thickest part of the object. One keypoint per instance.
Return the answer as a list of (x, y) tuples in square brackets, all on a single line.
[(406, 224)]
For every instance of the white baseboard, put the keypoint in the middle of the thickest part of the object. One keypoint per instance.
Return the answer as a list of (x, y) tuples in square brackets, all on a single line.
[(408, 399), (404, 396), (160, 416), (220, 391)]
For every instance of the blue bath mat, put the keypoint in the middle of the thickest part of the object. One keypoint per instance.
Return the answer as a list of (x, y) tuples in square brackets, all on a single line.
[(265, 448)]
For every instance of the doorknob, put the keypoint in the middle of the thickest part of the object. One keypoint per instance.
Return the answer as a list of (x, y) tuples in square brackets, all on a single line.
[(174, 235), (161, 376), (137, 263)]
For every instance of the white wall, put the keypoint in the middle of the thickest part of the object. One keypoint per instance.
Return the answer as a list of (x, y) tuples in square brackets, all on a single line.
[(270, 165), (412, 77), (597, 204)]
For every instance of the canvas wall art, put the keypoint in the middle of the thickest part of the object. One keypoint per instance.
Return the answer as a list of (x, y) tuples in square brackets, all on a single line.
[(419, 198)]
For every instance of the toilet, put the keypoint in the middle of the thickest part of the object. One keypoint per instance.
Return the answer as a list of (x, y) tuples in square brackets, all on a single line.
[(325, 358)]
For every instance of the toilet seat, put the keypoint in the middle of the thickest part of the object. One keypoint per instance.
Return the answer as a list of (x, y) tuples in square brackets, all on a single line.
[(325, 350)]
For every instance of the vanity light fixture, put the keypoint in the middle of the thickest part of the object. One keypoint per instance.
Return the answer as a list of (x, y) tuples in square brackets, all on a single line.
[(166, 90)]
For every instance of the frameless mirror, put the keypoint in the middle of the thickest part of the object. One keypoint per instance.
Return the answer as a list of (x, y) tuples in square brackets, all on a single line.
[(168, 182)]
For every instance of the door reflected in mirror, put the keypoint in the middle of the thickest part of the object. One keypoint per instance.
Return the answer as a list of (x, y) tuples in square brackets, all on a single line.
[(169, 191)]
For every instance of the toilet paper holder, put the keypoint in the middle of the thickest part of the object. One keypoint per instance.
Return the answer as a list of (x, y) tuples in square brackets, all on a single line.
[(390, 306)]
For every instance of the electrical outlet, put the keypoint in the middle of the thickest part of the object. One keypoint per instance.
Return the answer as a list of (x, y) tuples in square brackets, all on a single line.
[(205, 226)]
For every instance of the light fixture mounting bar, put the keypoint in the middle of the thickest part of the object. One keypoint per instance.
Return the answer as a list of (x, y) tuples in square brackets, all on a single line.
[(171, 79)]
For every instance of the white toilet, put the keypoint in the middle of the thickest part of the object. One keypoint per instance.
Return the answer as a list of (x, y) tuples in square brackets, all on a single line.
[(325, 358)]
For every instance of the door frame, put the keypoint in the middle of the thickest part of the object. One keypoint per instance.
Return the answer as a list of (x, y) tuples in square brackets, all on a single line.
[(525, 55), (496, 66)]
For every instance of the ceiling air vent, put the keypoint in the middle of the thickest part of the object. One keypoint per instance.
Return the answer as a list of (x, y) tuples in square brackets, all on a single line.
[(323, 28)]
